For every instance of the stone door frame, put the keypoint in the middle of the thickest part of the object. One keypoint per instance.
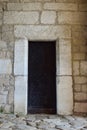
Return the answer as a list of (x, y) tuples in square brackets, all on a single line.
[(64, 91)]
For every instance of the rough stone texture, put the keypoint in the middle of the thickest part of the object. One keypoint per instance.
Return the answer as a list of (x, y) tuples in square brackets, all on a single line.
[(65, 105), (60, 6), (20, 97), (42, 122), (72, 18), (81, 107), (0, 18), (15, 17), (24, 6), (83, 68), (65, 57), (48, 17), (83, 7), (68, 29), (80, 80), (21, 57), (42, 32), (5, 66), (76, 67)]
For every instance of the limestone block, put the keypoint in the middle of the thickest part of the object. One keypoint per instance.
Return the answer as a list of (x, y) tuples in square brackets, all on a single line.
[(14, 17), (72, 18), (83, 67), (80, 107), (83, 7), (80, 96), (5, 66), (60, 6), (65, 61), (21, 57), (7, 109), (66, 1), (48, 17), (24, 6), (76, 68), (3, 98), (64, 95), (80, 79), (77, 88), (79, 41), (79, 56), (0, 18), (82, 1), (3, 45), (84, 88), (20, 95), (42, 32), (8, 33)]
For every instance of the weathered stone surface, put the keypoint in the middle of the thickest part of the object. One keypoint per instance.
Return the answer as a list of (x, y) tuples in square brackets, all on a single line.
[(5, 66), (60, 6), (65, 103), (80, 96), (76, 68), (65, 57), (80, 107), (80, 79), (46, 122), (43, 32), (83, 7), (79, 56), (14, 17), (66, 1), (20, 95), (21, 57), (24, 6), (3, 45), (72, 18), (0, 18), (83, 68), (3, 98), (8, 33), (48, 17)]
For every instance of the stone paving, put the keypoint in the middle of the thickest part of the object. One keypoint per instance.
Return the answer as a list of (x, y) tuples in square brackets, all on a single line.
[(42, 122)]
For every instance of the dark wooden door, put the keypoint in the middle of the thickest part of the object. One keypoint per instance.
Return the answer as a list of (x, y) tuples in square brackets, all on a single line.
[(42, 77)]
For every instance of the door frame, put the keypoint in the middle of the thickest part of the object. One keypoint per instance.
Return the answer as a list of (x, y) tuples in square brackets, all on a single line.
[(64, 89)]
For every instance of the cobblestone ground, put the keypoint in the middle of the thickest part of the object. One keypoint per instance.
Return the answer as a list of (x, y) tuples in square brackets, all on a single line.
[(42, 122)]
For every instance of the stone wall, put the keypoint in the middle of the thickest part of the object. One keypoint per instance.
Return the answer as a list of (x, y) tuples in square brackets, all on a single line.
[(67, 19)]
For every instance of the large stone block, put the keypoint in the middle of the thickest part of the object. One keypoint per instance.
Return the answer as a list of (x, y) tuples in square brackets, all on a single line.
[(20, 95), (80, 96), (83, 7), (21, 57), (3, 45), (5, 66), (64, 95), (3, 98), (66, 1), (42, 32), (60, 6), (14, 17), (83, 68), (8, 33), (80, 107), (24, 6), (0, 18), (48, 17), (72, 18), (79, 56), (65, 58), (80, 79), (76, 68)]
